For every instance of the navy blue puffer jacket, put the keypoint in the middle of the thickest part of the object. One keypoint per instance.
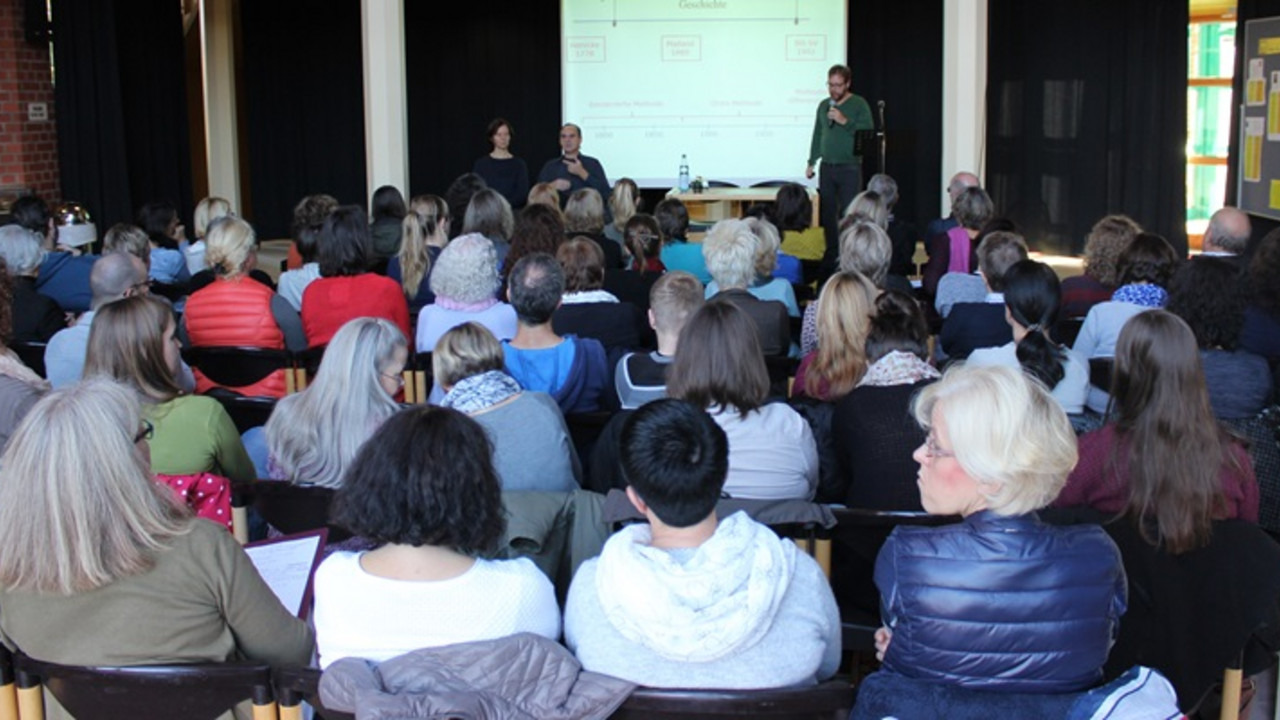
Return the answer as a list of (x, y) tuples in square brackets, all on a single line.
[(1001, 603)]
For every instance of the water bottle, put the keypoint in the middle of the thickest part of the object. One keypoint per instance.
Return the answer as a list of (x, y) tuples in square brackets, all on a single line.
[(684, 173)]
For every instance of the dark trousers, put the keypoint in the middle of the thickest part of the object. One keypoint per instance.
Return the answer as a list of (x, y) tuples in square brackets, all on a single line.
[(837, 186)]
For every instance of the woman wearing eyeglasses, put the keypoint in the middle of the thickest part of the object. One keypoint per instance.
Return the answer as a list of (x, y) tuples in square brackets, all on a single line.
[(998, 601), (313, 435), (133, 341), (102, 566)]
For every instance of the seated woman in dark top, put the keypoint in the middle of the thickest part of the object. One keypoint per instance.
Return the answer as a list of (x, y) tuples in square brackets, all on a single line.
[(387, 211), (489, 214), (36, 318), (1261, 330), (424, 233), (1208, 295), (954, 250), (586, 309), (501, 170)]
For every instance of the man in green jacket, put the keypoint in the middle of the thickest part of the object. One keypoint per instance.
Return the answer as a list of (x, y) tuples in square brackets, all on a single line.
[(838, 118)]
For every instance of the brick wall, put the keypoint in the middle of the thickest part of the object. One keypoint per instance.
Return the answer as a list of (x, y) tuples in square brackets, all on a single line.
[(28, 150)]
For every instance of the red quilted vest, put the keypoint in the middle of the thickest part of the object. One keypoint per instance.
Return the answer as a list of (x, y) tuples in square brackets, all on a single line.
[(235, 313)]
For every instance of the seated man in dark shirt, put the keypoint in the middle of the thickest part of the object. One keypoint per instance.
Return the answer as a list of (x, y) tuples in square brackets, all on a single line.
[(977, 325), (641, 377)]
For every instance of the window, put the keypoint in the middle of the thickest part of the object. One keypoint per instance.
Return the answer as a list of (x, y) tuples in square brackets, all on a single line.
[(1211, 42)]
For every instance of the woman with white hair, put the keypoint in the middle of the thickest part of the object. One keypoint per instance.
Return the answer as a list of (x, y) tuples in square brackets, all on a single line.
[(103, 567), (730, 250), (236, 311), (36, 318), (312, 436), (998, 601), (465, 282), (764, 285)]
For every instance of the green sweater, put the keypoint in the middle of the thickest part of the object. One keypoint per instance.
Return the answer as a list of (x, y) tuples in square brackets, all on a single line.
[(194, 434), (834, 144)]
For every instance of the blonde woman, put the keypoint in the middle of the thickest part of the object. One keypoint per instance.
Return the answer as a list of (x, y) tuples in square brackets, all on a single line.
[(102, 566), (848, 302), (624, 203), (236, 311), (425, 233), (313, 435), (532, 449), (207, 210), (134, 341)]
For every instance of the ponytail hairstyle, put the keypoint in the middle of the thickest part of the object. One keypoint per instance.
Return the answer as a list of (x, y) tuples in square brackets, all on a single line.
[(1032, 295), (424, 226)]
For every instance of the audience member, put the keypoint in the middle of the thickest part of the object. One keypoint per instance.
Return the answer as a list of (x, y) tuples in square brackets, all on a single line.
[(953, 249), (572, 171), (207, 210), (589, 311), (465, 282), (865, 249), (847, 305), (35, 317), (1143, 269), (955, 287), (584, 216), (458, 198), (1260, 332), (902, 233), (539, 228), (1031, 295), (111, 570), (168, 266), (308, 229), (489, 214), (387, 212), (677, 252), (1108, 238), (424, 489), (544, 193), (793, 213), (20, 386), (690, 600), (959, 182), (1227, 236), (234, 311), (532, 449), (313, 436), (999, 448), (1208, 295), (719, 367), (730, 251), (643, 240), (974, 325), (501, 170), (346, 289), (134, 341), (572, 370), (868, 206), (64, 238), (1163, 455), (764, 285), (425, 233), (872, 429), (641, 377), (624, 202)]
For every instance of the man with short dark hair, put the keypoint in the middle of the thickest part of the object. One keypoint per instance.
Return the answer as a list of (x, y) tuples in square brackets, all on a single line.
[(572, 170), (691, 600), (973, 325), (572, 370), (839, 117)]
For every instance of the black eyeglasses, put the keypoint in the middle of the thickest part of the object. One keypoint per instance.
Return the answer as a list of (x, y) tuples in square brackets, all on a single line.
[(146, 432)]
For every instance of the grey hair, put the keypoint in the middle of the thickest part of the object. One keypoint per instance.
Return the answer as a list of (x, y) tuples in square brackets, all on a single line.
[(973, 208), (886, 187), (868, 205), (74, 521), (767, 245), (730, 252), (467, 270), (1009, 434), (20, 249), (865, 248), (584, 212), (315, 434), (489, 214)]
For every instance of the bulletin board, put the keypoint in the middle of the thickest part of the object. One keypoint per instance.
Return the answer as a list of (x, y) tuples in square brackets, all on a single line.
[(1258, 159)]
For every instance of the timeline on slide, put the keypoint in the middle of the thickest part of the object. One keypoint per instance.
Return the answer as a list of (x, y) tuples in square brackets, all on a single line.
[(732, 84)]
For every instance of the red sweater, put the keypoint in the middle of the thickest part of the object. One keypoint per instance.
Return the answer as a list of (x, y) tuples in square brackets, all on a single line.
[(1090, 484), (328, 303)]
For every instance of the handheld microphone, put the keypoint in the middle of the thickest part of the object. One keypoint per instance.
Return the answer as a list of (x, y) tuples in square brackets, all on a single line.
[(830, 121), (880, 107)]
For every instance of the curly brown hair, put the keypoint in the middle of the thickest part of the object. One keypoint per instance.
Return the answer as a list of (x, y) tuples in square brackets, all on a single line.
[(1107, 239)]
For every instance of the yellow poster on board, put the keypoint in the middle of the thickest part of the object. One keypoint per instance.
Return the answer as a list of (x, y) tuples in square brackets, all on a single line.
[(1274, 199), (1254, 129), (1256, 85)]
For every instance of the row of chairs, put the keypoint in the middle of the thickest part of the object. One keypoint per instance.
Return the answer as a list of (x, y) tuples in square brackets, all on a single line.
[(206, 690)]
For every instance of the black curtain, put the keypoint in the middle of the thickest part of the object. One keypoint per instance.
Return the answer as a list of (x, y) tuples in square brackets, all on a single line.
[(303, 86), (120, 91), (895, 53), (1087, 115), (1246, 10), (489, 59)]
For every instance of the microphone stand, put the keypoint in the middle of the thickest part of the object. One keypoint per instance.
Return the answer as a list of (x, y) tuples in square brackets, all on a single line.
[(883, 159)]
